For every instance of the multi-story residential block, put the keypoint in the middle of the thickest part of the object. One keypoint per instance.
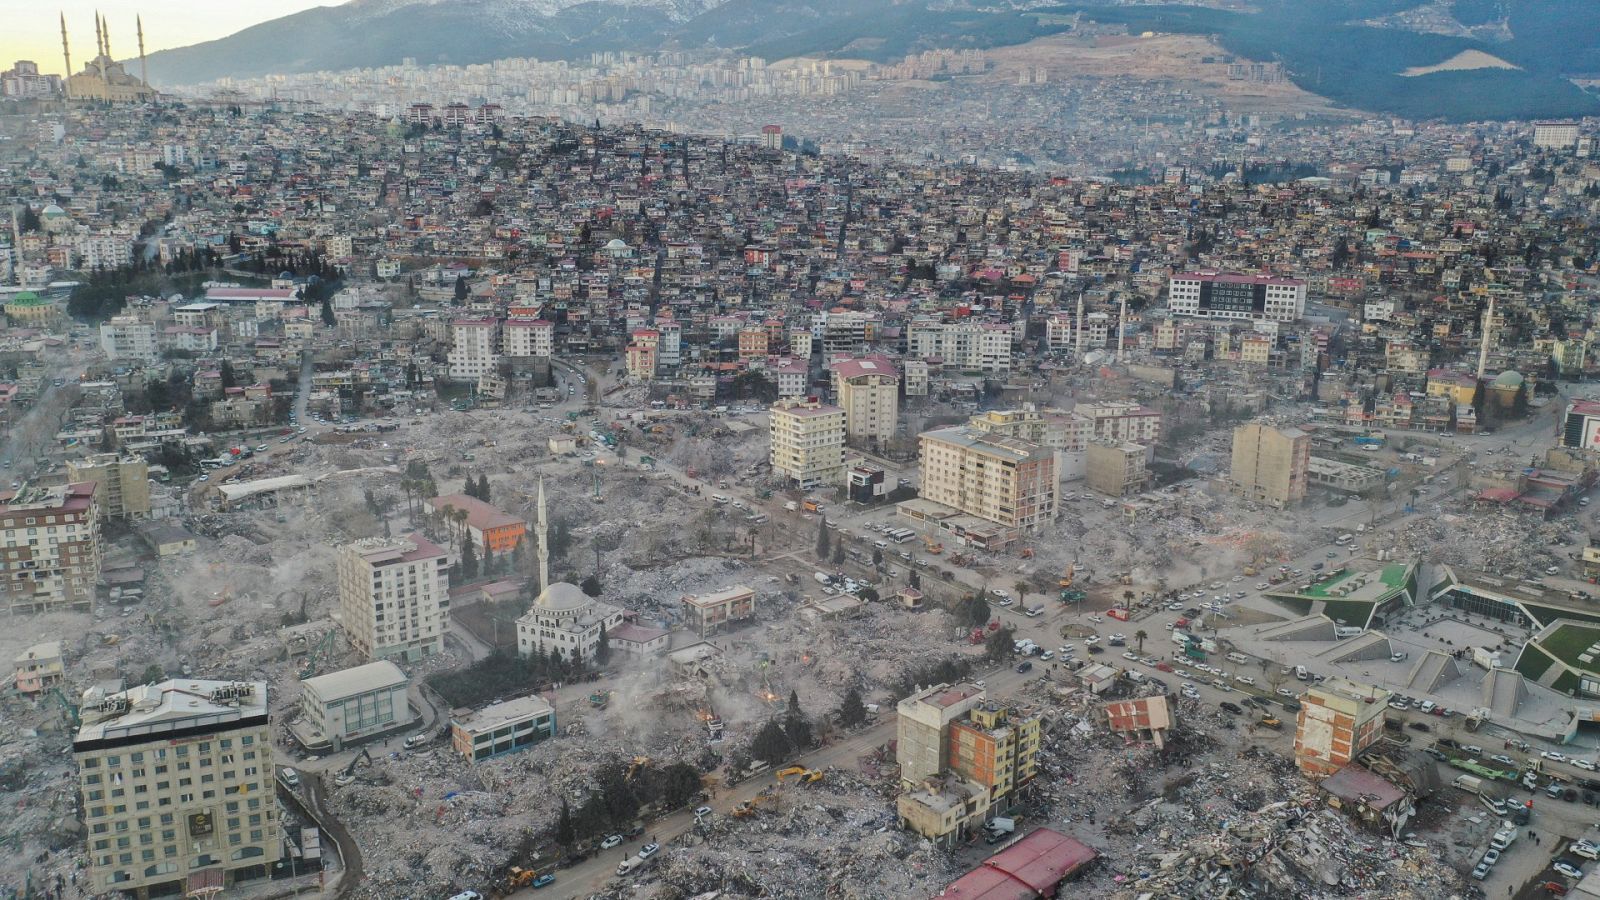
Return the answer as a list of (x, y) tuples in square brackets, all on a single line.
[(1112, 421), (350, 704), (39, 668), (868, 390), (996, 748), (669, 348), (916, 377), (968, 346), (49, 546), (474, 348), (1006, 480), (1555, 135), (1270, 464), (124, 483), (528, 337), (176, 786), (1216, 295), (642, 354), (1338, 719), (708, 612), (394, 596), (922, 748), (807, 442), (1115, 468), (131, 338)]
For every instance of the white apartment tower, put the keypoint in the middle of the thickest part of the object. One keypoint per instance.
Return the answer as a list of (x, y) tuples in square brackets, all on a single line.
[(394, 596), (807, 442)]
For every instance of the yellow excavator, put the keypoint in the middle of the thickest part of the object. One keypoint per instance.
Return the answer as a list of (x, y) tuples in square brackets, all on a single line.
[(1066, 579), (807, 776), (638, 763)]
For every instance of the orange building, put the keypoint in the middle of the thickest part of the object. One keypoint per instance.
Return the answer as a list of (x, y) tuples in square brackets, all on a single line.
[(995, 750), (1338, 719), (488, 526), (752, 343)]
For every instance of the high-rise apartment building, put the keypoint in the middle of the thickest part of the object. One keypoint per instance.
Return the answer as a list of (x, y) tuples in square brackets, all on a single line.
[(868, 390), (394, 596), (807, 442), (1270, 464), (528, 337), (474, 348), (922, 748), (1006, 480), (1218, 295), (1338, 719), (969, 346), (124, 481), (1555, 135), (1115, 421), (175, 781), (129, 337), (49, 547)]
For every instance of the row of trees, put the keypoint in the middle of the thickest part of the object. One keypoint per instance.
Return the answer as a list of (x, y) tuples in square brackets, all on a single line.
[(623, 791)]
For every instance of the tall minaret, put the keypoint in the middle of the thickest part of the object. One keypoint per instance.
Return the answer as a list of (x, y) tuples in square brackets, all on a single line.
[(542, 532), (106, 28), (1483, 345), (66, 53), (144, 73)]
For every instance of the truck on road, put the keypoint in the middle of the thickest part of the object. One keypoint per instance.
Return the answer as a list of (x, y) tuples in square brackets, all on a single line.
[(1472, 784)]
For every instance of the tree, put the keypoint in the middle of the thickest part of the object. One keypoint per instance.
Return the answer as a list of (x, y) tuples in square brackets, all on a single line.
[(822, 540), (483, 488), (229, 379), (679, 783), (978, 612), (1000, 642), (1139, 636), (770, 745), (877, 557), (1021, 588), (469, 559), (602, 650), (461, 289), (327, 312), (852, 711), (590, 585), (566, 834), (914, 578), (795, 723), (868, 595), (838, 553)]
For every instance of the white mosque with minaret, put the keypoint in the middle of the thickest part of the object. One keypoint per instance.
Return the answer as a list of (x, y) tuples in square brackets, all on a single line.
[(563, 619)]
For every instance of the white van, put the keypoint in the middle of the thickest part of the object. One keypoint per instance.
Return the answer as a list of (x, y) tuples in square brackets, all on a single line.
[(1238, 658), (719, 498), (1346, 631), (881, 545), (1301, 673)]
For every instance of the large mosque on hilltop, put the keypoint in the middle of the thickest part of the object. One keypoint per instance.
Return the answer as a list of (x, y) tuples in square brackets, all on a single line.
[(104, 79)]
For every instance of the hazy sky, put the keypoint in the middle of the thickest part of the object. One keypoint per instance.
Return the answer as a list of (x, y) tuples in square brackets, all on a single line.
[(32, 30)]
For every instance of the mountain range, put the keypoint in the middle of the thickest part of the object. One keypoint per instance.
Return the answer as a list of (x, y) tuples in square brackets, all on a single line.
[(1352, 51)]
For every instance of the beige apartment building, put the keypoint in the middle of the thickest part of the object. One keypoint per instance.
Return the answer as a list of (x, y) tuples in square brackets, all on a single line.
[(1270, 464), (868, 390), (807, 442), (175, 781), (1337, 720), (1116, 468), (49, 547), (708, 612), (124, 483), (394, 596), (1006, 480)]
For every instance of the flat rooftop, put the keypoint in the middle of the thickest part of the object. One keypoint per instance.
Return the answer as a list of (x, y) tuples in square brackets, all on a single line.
[(501, 714), (373, 676), (147, 712)]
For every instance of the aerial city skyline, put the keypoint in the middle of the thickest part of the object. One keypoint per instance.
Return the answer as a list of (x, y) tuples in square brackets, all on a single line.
[(661, 449)]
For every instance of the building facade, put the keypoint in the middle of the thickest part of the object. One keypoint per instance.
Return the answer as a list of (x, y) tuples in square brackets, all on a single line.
[(124, 483), (868, 390), (1337, 720), (489, 528), (352, 704), (807, 442), (51, 547), (394, 596), (502, 728), (1217, 295), (1270, 464), (1006, 480), (128, 337), (176, 785), (708, 612), (1115, 468)]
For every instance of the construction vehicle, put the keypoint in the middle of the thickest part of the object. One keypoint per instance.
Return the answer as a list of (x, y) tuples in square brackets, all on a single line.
[(69, 710), (807, 776), (1251, 571), (519, 877), (599, 699), (638, 763), (318, 656), (1067, 579), (358, 758), (933, 547), (1270, 722), (1073, 596)]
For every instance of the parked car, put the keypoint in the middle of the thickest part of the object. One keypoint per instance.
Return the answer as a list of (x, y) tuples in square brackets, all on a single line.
[(1567, 869), (649, 850), (1230, 707), (611, 841)]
